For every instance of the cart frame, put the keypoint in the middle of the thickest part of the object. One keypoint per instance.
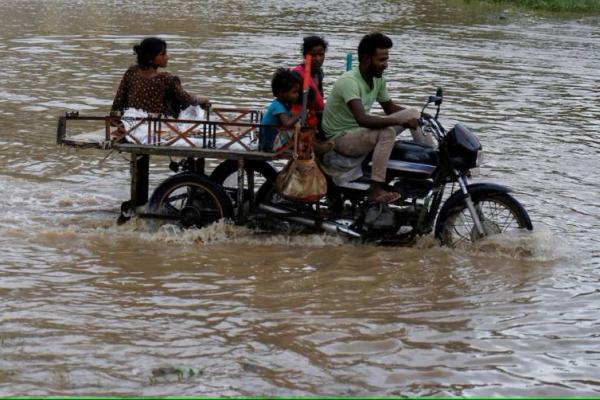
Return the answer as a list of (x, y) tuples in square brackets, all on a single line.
[(229, 124)]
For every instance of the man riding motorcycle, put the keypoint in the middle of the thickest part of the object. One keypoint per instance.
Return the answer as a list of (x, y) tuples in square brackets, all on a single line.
[(354, 131)]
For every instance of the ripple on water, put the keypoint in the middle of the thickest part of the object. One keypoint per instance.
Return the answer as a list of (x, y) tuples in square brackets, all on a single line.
[(92, 308)]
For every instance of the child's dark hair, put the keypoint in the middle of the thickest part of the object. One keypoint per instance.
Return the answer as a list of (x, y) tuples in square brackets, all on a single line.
[(371, 42), (148, 49), (283, 80), (312, 41)]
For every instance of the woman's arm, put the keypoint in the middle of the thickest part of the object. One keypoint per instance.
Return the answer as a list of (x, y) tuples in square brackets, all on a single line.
[(120, 100), (184, 97), (203, 102)]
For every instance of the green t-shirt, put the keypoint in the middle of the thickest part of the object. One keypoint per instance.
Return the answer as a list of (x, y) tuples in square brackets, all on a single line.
[(337, 117)]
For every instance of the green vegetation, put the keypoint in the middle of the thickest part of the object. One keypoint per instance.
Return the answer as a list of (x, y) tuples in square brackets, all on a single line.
[(574, 6), (163, 375)]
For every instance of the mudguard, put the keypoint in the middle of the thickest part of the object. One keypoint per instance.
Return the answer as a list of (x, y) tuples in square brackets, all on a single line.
[(458, 197)]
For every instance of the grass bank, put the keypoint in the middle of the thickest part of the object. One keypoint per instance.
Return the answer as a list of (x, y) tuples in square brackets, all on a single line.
[(567, 6)]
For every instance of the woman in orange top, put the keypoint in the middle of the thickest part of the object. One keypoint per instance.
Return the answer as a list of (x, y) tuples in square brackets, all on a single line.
[(315, 46)]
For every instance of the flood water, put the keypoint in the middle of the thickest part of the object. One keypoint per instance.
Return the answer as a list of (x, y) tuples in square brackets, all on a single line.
[(92, 308)]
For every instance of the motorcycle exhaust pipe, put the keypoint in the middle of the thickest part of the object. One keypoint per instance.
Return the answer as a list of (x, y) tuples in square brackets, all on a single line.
[(329, 227)]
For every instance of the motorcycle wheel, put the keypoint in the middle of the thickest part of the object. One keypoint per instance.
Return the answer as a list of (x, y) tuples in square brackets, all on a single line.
[(499, 213), (225, 174), (192, 199)]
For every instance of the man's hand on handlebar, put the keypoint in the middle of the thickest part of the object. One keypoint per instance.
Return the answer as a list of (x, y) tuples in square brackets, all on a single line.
[(409, 118)]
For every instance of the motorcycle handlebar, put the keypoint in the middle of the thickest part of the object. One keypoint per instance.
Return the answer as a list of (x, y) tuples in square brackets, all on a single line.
[(437, 100), (427, 122), (440, 96)]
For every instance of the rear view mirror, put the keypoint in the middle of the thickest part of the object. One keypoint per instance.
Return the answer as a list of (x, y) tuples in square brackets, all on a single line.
[(440, 96)]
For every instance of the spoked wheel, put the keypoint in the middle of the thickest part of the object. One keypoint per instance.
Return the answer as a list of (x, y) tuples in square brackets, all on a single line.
[(191, 199), (499, 213), (226, 174)]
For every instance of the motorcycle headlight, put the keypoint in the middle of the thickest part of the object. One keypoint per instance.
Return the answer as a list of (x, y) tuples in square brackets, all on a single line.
[(479, 160)]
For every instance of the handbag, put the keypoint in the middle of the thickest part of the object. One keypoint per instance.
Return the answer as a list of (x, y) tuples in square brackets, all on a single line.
[(301, 179)]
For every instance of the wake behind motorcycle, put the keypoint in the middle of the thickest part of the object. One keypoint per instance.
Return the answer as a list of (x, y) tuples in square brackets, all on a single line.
[(421, 174)]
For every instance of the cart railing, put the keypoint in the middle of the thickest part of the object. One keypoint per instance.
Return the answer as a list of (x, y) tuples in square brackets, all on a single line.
[(225, 134), (222, 129)]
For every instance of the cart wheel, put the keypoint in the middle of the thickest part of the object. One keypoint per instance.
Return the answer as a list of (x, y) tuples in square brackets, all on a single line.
[(192, 199), (226, 175)]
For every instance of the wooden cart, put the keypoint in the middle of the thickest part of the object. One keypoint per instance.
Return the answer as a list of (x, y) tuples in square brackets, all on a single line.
[(226, 135)]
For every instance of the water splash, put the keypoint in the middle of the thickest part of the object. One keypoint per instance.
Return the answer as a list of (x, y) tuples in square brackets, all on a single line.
[(539, 245), (224, 231)]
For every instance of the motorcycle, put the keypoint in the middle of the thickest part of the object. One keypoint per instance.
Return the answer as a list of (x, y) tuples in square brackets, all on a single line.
[(420, 173)]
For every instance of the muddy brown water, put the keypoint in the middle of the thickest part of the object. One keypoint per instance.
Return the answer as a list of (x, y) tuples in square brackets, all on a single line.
[(89, 307)]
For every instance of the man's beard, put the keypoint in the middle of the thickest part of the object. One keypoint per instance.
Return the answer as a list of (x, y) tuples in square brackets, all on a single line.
[(375, 73)]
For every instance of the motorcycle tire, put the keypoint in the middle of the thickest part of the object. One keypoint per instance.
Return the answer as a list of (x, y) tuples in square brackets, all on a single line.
[(499, 212)]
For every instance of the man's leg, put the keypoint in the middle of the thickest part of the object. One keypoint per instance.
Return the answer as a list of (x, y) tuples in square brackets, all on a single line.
[(421, 137), (356, 143), (359, 142)]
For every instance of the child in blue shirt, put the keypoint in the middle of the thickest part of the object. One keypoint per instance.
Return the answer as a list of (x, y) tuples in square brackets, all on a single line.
[(286, 87)]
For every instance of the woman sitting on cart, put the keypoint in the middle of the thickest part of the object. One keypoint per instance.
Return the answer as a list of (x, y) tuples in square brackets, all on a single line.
[(144, 88)]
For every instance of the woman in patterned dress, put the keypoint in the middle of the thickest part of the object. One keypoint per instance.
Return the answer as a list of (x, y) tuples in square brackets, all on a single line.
[(145, 88)]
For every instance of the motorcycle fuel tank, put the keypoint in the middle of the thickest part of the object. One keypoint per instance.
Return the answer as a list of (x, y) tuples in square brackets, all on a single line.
[(414, 152)]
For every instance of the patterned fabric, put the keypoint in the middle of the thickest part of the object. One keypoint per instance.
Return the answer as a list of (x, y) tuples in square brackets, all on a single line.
[(161, 93)]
